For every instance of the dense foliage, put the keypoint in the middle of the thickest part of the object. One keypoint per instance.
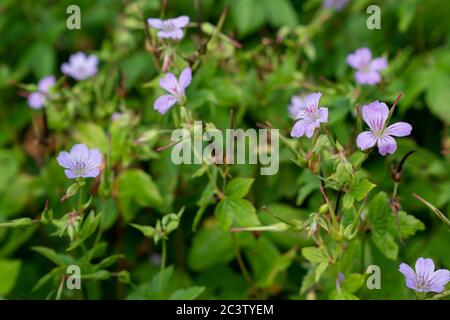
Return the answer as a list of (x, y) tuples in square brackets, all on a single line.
[(141, 227)]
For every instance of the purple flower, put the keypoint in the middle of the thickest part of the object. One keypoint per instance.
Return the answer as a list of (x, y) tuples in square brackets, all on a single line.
[(309, 117), (335, 4), (176, 89), (81, 162), (36, 100), (80, 66), (297, 103), (375, 115), (170, 28), (425, 279), (340, 279), (367, 68)]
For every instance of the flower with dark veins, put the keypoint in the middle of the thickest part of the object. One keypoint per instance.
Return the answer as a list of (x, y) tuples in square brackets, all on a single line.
[(170, 28), (375, 115), (81, 162), (367, 69), (309, 117), (175, 87), (424, 278)]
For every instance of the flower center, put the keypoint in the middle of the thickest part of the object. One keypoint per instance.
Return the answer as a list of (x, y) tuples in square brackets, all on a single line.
[(169, 26)]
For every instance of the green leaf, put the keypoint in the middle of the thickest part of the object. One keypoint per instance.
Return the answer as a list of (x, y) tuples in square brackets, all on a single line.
[(136, 189), (238, 188), (280, 13), (248, 15), (236, 211), (314, 254), (353, 282), (438, 95), (342, 295), (187, 294), (267, 262), (320, 270), (50, 254), (210, 247), (9, 272), (409, 225), (386, 243), (148, 231), (360, 188), (107, 262), (92, 135)]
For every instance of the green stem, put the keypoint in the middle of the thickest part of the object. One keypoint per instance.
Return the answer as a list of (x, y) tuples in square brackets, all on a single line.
[(60, 289), (80, 199), (163, 263), (241, 264), (363, 251)]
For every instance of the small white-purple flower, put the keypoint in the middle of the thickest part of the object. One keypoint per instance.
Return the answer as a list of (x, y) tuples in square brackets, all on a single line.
[(170, 28), (375, 115), (424, 278), (81, 162), (335, 4), (175, 87), (367, 69), (297, 103), (80, 66), (36, 100), (309, 116)]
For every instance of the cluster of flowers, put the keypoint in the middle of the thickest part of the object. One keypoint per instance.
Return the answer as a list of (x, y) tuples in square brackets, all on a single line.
[(309, 116), (80, 67), (82, 162)]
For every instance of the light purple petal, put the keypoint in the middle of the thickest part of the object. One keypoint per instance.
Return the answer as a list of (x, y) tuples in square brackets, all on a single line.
[(409, 274), (360, 58), (439, 278), (170, 83), (424, 268), (95, 158), (310, 127), (378, 64), (70, 174), (66, 69), (366, 140), (185, 78), (180, 22), (375, 115), (77, 58), (46, 83), (80, 153), (297, 103), (323, 114), (92, 61), (92, 173), (435, 289), (299, 128), (172, 34), (367, 77), (399, 129), (386, 145), (312, 100), (65, 160), (36, 100), (155, 23), (164, 103)]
